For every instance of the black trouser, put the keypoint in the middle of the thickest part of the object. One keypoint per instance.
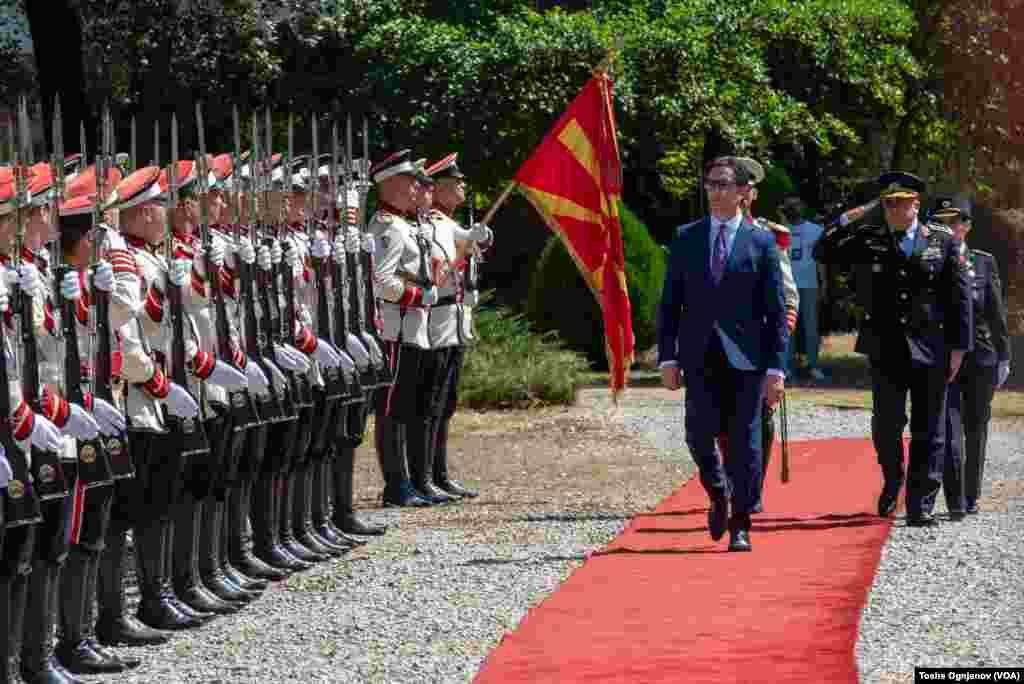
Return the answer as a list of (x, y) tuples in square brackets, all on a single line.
[(891, 382), (968, 411)]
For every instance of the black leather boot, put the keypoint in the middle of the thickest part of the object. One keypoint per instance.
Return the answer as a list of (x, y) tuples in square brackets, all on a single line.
[(210, 570), (302, 515), (89, 618), (156, 608), (390, 439), (288, 540), (38, 664), (439, 443), (73, 649), (20, 585), (172, 596), (266, 527), (6, 637), (344, 513), (232, 573), (116, 626), (421, 461), (323, 482), (187, 584), (240, 536)]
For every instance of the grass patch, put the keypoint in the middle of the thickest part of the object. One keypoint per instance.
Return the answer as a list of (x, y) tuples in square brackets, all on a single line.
[(514, 366)]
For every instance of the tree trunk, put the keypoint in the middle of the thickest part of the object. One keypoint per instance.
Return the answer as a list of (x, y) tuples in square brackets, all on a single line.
[(57, 39)]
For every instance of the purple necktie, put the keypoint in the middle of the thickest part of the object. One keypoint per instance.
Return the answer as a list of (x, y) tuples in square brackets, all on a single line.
[(718, 258)]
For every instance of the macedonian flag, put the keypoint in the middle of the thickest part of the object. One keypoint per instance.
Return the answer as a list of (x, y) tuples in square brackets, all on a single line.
[(574, 179)]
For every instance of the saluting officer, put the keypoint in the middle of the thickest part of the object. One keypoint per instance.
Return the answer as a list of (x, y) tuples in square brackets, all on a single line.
[(969, 404), (916, 330)]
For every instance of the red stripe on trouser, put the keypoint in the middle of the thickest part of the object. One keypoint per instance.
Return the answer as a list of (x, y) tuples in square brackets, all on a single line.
[(78, 509), (393, 361)]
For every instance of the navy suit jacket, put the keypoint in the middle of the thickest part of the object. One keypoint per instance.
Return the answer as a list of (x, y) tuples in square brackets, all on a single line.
[(747, 304)]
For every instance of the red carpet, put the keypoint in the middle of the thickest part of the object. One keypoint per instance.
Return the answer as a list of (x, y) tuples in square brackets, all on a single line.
[(663, 603)]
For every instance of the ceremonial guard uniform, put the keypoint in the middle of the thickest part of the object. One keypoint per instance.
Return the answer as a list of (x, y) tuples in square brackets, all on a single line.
[(917, 305), (404, 288), (969, 402), (451, 323)]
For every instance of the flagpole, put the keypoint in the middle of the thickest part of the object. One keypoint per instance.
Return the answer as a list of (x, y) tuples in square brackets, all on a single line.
[(501, 200)]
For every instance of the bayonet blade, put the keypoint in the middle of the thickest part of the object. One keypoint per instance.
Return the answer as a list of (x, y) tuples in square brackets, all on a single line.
[(172, 174), (314, 167), (133, 160), (291, 155), (156, 143)]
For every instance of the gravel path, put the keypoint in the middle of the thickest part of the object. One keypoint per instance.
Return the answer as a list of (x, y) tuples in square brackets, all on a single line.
[(429, 600)]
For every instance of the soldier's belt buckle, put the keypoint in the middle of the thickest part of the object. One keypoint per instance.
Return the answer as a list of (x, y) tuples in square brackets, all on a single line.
[(188, 426), (114, 446), (87, 454), (16, 489), (47, 474), (238, 399)]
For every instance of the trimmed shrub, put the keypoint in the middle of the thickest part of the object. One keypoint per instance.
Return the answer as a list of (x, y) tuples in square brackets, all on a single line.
[(776, 186), (560, 300), (514, 366)]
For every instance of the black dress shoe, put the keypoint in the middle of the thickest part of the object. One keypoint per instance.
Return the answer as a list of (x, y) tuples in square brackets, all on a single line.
[(129, 662), (353, 525), (718, 517), (82, 658), (739, 540), (127, 630), (922, 520), (456, 488), (972, 507)]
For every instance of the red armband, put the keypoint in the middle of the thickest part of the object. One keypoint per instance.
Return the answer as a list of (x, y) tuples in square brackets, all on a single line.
[(55, 408), (23, 420), (198, 283), (155, 304), (305, 340), (157, 386), (202, 365), (412, 296)]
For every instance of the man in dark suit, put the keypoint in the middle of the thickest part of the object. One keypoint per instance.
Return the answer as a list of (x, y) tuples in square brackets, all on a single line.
[(969, 403), (915, 331), (722, 325)]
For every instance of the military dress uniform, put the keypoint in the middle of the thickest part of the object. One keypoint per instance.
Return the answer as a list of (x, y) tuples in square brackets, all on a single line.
[(404, 289), (969, 400), (917, 306)]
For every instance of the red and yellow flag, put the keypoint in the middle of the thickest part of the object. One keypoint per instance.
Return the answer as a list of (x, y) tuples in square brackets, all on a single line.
[(574, 179)]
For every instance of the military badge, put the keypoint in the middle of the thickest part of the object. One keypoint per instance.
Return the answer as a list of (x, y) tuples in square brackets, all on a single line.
[(114, 446), (16, 489), (87, 454), (47, 474)]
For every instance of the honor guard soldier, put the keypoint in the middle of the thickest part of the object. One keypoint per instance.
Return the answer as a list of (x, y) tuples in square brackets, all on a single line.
[(148, 506), (791, 298), (916, 330), (451, 318), (969, 404), (102, 463), (404, 287), (34, 506)]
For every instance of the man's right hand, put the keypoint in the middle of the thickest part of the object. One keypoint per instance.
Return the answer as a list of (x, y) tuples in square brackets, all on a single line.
[(671, 378)]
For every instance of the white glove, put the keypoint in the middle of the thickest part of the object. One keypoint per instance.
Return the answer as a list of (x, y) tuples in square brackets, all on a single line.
[(480, 232), (180, 403), (371, 346), (1003, 373), (276, 252), (472, 298), (223, 375), (103, 277), (290, 252), (80, 424), (113, 240), (369, 244), (28, 278), (338, 247), (258, 383), (45, 435), (6, 474), (290, 358), (246, 252), (321, 248), (348, 366), (357, 350), (70, 287), (5, 300), (180, 269), (326, 355), (353, 240), (264, 258), (217, 251), (111, 420), (429, 297)]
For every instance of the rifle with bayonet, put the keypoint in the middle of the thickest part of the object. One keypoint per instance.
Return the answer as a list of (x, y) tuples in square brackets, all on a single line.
[(186, 432), (48, 472), (364, 314), (94, 467), (101, 338)]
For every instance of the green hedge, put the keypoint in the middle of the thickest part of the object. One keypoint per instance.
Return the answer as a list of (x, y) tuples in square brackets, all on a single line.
[(560, 300)]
